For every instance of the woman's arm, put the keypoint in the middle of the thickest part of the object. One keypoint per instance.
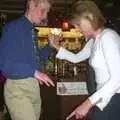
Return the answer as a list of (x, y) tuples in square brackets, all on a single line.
[(75, 58)]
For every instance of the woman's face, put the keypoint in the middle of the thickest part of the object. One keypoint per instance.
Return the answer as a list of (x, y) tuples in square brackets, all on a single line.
[(84, 26)]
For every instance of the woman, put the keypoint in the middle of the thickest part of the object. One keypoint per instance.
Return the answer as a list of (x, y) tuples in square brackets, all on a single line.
[(103, 51)]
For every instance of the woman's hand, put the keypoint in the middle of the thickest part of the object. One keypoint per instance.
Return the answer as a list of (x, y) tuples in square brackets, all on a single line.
[(43, 78), (54, 40), (82, 110)]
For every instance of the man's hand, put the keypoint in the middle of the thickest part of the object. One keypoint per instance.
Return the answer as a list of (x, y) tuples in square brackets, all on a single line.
[(43, 78)]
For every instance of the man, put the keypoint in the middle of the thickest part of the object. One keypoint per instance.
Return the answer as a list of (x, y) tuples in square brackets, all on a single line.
[(19, 64)]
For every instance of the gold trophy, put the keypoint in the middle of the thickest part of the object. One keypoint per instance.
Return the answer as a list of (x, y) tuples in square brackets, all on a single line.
[(55, 31)]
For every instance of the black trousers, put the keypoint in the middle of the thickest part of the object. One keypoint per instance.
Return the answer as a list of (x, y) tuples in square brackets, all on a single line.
[(110, 112)]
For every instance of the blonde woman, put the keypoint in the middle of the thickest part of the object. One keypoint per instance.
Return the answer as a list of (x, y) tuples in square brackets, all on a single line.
[(103, 51)]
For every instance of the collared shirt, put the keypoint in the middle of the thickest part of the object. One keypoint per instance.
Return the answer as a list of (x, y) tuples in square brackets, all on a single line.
[(104, 57), (17, 56)]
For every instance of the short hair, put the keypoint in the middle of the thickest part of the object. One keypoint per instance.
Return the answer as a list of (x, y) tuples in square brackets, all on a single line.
[(36, 2), (90, 11), (41, 1)]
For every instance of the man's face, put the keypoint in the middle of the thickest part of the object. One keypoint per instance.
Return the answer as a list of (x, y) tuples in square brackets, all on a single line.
[(39, 12)]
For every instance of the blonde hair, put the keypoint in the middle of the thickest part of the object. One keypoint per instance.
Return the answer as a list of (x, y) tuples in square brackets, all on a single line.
[(90, 11)]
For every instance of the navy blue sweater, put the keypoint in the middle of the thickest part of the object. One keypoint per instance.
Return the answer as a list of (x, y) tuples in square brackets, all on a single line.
[(17, 56)]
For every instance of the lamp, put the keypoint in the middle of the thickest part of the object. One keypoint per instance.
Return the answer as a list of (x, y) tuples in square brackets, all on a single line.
[(66, 25)]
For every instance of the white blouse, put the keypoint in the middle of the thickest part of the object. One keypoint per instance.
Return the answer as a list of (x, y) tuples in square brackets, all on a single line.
[(104, 57)]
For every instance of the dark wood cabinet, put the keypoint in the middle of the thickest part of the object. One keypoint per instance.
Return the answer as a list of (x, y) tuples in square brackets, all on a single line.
[(56, 107)]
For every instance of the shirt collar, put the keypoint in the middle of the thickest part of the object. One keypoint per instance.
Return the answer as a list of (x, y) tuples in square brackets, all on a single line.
[(27, 22)]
